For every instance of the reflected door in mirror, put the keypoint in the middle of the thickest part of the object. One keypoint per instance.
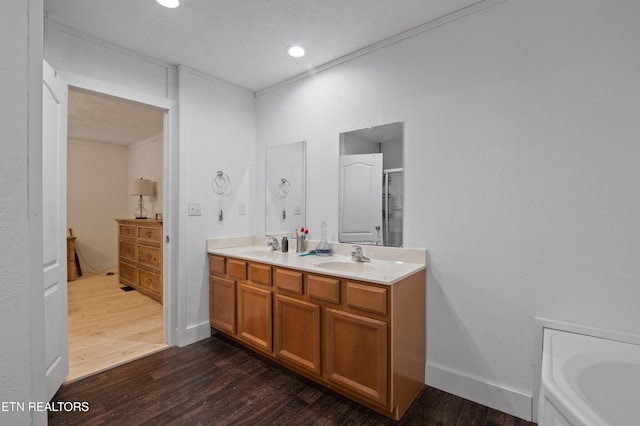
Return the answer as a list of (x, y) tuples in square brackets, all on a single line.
[(360, 194)]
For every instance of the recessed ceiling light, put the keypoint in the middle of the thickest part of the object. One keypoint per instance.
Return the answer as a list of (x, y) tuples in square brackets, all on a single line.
[(296, 51), (169, 3)]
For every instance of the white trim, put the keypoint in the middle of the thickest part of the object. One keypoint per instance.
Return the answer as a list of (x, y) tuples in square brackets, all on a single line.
[(211, 78), (479, 390), (181, 243), (147, 140), (94, 144), (35, 278), (461, 13), (193, 334), (82, 82), (542, 323), (171, 224)]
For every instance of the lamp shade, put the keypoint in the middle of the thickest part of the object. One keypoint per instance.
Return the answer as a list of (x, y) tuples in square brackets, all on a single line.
[(141, 187)]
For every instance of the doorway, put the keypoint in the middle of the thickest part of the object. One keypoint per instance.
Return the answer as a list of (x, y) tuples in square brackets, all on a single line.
[(111, 141)]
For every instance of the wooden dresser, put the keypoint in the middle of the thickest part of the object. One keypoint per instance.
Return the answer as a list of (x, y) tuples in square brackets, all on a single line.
[(140, 255)]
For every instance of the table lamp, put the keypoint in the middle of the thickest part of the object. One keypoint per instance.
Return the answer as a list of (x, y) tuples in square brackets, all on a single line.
[(141, 187)]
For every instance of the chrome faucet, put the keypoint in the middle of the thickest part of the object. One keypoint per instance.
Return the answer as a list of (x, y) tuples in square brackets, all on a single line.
[(274, 244), (358, 256)]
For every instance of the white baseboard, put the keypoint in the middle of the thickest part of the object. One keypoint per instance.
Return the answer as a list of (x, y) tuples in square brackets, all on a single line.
[(490, 394), (193, 334)]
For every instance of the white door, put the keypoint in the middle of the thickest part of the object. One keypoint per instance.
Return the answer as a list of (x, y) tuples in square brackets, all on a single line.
[(54, 224), (360, 215)]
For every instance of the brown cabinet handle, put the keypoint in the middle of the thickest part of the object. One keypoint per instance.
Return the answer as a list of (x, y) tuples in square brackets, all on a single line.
[(148, 234)]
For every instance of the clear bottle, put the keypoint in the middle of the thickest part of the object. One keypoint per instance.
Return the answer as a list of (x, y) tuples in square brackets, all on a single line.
[(323, 248)]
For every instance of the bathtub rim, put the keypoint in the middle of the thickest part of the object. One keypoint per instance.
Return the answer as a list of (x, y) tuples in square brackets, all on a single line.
[(542, 323)]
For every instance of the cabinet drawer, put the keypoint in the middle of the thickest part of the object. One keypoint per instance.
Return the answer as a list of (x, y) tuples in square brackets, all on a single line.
[(260, 274), (127, 251), (289, 280), (127, 231), (149, 256), (217, 265), (149, 234), (323, 288), (237, 269), (128, 274), (366, 297), (150, 281)]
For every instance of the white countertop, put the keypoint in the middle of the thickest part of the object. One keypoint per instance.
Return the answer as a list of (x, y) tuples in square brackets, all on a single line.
[(387, 266)]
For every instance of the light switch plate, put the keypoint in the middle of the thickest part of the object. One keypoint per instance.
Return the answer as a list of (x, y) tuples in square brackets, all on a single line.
[(195, 209)]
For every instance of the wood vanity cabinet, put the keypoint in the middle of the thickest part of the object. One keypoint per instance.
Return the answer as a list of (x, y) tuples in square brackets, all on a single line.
[(240, 301), (140, 255), (364, 340), (296, 323)]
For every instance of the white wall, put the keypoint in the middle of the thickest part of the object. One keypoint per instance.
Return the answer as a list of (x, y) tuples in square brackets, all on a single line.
[(145, 160), (520, 168), (217, 132), (21, 300), (97, 188)]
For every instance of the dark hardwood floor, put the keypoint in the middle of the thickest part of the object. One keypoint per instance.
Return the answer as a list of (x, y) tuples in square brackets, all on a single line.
[(218, 382)]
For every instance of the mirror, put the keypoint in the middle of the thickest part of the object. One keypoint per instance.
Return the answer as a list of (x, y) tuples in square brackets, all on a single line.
[(371, 191), (285, 188)]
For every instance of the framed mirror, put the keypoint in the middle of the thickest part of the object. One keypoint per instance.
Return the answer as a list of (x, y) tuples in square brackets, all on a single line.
[(371, 186), (285, 188)]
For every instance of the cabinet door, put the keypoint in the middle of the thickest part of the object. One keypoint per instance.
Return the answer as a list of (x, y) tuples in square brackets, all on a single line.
[(255, 317), (356, 354), (297, 333), (222, 304)]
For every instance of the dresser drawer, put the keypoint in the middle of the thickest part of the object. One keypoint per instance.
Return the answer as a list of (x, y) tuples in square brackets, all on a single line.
[(150, 257), (290, 281), (127, 231), (128, 274), (367, 298), (148, 234), (323, 288), (150, 281), (127, 251)]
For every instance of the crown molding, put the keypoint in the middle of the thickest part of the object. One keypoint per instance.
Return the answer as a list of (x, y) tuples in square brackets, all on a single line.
[(461, 13)]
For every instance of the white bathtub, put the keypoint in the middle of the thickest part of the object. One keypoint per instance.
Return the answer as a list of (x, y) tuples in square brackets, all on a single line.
[(588, 381)]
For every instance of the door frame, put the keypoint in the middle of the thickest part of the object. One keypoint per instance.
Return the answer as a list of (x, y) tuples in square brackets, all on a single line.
[(170, 185)]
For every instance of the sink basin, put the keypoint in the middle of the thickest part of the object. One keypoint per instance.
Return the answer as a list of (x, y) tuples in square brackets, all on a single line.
[(346, 266), (261, 253)]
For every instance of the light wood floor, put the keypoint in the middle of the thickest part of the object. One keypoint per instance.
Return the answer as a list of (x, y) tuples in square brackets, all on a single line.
[(108, 326)]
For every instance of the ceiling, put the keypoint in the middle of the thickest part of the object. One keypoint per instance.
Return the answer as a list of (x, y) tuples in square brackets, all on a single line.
[(240, 41), (244, 41), (96, 117)]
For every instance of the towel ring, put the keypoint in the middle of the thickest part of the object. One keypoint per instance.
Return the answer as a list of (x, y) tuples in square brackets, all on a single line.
[(283, 188), (221, 183)]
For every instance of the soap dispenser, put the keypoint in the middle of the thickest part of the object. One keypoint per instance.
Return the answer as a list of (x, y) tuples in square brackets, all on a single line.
[(323, 248)]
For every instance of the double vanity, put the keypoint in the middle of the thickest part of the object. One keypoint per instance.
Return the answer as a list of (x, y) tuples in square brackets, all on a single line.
[(355, 327)]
